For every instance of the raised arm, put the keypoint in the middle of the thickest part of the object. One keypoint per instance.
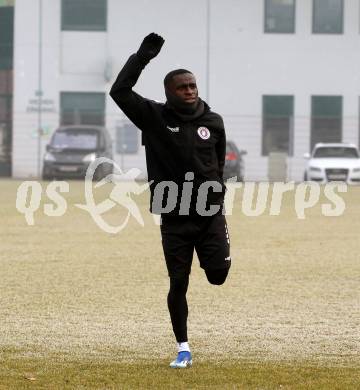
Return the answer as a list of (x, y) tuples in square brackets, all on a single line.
[(136, 107)]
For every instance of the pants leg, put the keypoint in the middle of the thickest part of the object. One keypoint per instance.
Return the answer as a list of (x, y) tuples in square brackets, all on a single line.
[(178, 307), (213, 248), (217, 276), (178, 246)]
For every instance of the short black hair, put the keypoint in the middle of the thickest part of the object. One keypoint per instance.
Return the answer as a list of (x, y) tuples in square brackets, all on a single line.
[(173, 73)]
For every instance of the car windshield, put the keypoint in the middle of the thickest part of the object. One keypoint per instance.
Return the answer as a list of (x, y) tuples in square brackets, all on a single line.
[(336, 152), (75, 139), (228, 148)]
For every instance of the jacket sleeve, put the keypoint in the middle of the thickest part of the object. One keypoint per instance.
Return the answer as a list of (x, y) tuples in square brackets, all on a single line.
[(137, 108), (221, 151)]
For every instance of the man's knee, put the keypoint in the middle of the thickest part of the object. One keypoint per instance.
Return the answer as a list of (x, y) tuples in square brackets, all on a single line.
[(179, 284), (217, 276)]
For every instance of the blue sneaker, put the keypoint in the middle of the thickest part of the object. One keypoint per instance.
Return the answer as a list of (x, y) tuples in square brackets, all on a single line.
[(183, 360)]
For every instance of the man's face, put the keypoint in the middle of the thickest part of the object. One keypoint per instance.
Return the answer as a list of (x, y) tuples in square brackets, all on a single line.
[(184, 87)]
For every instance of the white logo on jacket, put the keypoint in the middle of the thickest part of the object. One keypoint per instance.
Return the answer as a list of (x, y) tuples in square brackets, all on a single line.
[(203, 132), (173, 129)]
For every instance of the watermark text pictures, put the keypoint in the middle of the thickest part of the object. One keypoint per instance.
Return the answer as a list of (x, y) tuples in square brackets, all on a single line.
[(257, 198)]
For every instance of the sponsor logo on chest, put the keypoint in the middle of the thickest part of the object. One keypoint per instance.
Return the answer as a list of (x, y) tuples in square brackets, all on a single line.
[(173, 129)]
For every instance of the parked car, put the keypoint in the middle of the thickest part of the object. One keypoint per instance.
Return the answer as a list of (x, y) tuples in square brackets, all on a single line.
[(234, 162), (333, 162), (73, 148)]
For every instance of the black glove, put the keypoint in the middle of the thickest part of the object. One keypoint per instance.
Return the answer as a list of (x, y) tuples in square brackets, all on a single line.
[(150, 47)]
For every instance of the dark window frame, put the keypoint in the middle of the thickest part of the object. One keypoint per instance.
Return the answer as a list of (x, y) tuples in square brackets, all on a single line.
[(326, 32), (311, 143), (290, 148), (266, 31), (63, 118), (87, 28), (7, 141), (7, 38)]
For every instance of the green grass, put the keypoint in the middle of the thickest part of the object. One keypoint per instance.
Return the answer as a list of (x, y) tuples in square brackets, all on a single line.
[(82, 309), (155, 375), (54, 373)]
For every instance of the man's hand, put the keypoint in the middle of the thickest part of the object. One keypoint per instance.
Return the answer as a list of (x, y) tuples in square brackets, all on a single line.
[(150, 47)]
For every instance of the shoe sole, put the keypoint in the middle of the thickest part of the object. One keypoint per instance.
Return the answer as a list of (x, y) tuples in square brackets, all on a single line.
[(187, 365)]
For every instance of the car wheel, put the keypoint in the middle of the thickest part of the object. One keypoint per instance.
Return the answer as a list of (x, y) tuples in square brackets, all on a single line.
[(46, 177), (99, 173), (239, 176), (111, 169)]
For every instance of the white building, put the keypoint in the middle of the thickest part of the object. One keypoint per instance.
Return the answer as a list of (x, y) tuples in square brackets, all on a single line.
[(284, 74)]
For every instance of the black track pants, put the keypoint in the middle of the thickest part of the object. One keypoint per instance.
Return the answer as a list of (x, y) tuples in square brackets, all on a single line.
[(177, 303), (178, 307)]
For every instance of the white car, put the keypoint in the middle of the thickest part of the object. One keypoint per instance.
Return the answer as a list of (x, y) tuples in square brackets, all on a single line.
[(333, 162)]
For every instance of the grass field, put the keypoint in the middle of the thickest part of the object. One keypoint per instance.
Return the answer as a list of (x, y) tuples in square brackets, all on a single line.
[(80, 308)]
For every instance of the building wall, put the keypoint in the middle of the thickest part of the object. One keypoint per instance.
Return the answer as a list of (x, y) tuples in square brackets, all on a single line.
[(26, 81), (244, 64)]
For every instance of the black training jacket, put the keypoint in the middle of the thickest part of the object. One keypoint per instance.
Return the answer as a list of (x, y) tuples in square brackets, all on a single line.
[(173, 146)]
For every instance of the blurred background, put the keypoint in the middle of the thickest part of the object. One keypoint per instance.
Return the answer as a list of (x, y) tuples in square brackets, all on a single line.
[(284, 74)]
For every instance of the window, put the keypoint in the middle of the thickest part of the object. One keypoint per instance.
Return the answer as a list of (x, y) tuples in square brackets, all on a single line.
[(85, 108), (127, 139), (278, 114), (84, 15), (279, 16), (6, 37), (326, 119), (335, 152), (328, 16), (76, 138), (6, 86)]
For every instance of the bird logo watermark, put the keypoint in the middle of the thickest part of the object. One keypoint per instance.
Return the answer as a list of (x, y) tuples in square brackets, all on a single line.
[(124, 186)]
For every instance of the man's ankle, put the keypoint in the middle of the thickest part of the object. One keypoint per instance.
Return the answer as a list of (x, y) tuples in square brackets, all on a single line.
[(183, 346)]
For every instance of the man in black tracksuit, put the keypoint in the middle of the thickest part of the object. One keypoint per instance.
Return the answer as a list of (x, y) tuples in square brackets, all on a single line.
[(185, 154)]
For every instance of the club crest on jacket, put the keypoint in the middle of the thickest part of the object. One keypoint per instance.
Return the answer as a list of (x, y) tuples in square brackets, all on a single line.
[(203, 132)]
